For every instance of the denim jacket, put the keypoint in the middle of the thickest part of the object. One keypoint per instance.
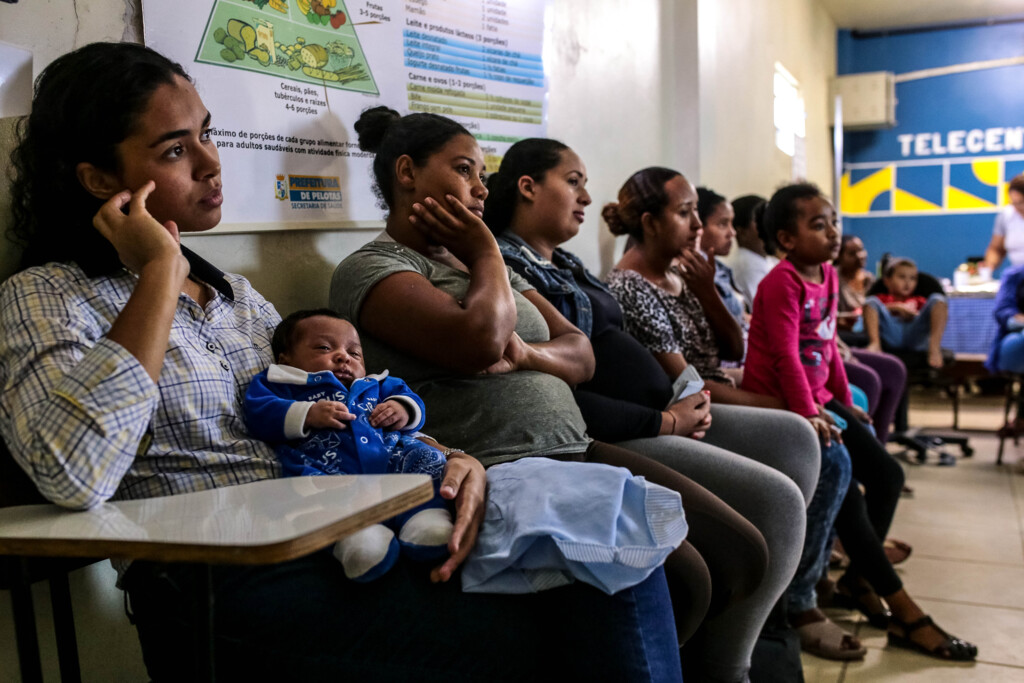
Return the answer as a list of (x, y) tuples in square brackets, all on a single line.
[(555, 279)]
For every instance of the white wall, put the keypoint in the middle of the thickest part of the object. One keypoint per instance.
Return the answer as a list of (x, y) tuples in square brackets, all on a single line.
[(631, 86), (740, 41)]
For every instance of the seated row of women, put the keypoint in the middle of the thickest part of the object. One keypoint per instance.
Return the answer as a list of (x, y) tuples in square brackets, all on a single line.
[(124, 358)]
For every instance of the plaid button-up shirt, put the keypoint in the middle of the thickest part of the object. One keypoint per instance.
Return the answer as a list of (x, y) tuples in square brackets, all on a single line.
[(84, 419)]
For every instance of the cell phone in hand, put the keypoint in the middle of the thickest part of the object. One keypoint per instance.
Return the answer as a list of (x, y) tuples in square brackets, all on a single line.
[(687, 384)]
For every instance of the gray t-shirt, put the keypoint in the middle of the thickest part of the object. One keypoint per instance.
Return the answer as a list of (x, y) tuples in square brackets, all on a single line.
[(496, 418)]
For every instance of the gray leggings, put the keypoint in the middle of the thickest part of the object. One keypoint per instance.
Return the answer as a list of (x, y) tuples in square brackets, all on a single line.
[(764, 463)]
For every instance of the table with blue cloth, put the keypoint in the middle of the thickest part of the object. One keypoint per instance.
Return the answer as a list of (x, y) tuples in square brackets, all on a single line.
[(971, 326)]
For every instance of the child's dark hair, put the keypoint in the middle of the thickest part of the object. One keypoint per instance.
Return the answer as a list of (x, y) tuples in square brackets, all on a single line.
[(284, 335), (532, 157), (389, 135), (894, 262), (644, 192), (707, 201), (744, 209), (782, 210), (85, 103)]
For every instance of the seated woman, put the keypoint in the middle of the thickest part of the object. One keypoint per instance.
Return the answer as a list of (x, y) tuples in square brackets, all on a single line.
[(752, 258), (123, 358), (490, 357), (716, 216), (854, 281), (1007, 354), (882, 376), (536, 202)]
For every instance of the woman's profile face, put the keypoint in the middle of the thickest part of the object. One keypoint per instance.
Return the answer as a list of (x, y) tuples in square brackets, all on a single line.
[(718, 230), (678, 227), (560, 199), (456, 169), (853, 255), (171, 145)]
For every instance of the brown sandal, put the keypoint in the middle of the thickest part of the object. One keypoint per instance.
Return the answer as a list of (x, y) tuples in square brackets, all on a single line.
[(897, 551)]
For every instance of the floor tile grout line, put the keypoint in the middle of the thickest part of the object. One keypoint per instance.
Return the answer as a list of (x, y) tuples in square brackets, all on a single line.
[(964, 560), (967, 603)]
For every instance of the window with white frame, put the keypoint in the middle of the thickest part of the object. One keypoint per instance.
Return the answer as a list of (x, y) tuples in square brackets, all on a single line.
[(790, 115)]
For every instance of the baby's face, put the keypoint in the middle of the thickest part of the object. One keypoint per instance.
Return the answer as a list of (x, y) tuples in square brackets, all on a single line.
[(325, 343)]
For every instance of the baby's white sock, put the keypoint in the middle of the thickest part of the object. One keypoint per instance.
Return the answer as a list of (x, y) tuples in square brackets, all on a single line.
[(368, 553), (430, 527)]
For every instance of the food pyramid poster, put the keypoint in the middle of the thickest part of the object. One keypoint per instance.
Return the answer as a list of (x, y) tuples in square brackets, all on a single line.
[(312, 41)]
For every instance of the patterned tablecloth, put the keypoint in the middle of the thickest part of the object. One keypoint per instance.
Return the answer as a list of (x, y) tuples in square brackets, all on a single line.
[(971, 326)]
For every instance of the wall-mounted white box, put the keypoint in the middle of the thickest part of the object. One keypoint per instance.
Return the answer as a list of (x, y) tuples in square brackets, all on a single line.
[(869, 100)]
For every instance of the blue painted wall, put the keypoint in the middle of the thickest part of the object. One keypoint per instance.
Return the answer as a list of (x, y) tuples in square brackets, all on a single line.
[(976, 100)]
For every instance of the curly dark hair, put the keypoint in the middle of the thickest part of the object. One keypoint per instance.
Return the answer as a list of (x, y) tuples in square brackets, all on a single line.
[(782, 212), (85, 103)]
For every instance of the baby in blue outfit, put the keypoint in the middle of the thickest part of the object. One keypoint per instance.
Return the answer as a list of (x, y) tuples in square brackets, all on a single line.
[(324, 415)]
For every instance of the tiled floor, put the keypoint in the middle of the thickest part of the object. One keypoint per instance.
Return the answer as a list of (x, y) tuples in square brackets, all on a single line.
[(966, 524)]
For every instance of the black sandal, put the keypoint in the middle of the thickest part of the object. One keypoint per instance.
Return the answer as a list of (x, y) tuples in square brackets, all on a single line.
[(954, 649), (855, 601)]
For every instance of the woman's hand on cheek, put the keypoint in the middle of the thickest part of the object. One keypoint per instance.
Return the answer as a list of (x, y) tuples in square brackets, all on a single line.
[(465, 482), (138, 237), (454, 227), (697, 272)]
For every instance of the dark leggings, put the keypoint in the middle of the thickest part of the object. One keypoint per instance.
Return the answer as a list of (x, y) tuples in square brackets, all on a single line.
[(724, 557), (892, 384), (864, 519)]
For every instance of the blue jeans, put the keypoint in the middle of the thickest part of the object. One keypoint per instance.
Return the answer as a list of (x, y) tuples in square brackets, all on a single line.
[(302, 620), (833, 482), (905, 335), (1011, 352)]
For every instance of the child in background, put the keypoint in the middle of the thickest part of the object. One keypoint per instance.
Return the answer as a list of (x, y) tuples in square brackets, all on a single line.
[(792, 354), (323, 415), (901, 321)]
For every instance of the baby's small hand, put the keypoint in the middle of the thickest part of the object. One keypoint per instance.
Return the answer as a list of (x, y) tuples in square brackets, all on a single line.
[(389, 415), (328, 415)]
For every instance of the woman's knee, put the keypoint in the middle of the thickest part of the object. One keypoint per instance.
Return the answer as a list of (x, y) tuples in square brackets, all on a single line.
[(689, 584), (1011, 352)]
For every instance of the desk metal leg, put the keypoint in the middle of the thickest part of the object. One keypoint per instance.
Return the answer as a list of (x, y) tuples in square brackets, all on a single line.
[(204, 622), (64, 629), (25, 627)]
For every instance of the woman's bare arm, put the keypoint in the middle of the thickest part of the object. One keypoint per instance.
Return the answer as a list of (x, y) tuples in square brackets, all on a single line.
[(567, 355), (466, 336)]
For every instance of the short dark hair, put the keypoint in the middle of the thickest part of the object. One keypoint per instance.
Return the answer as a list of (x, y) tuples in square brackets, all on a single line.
[(284, 335), (895, 262), (389, 135), (744, 209), (782, 210), (532, 157), (85, 103)]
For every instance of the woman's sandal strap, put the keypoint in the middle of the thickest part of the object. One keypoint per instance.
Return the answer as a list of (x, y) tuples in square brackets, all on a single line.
[(954, 649)]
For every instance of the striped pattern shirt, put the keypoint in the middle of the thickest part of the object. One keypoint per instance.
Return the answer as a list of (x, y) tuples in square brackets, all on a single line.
[(83, 418)]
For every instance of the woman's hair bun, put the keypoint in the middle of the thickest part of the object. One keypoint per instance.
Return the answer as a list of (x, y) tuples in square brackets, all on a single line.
[(373, 124), (610, 214)]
